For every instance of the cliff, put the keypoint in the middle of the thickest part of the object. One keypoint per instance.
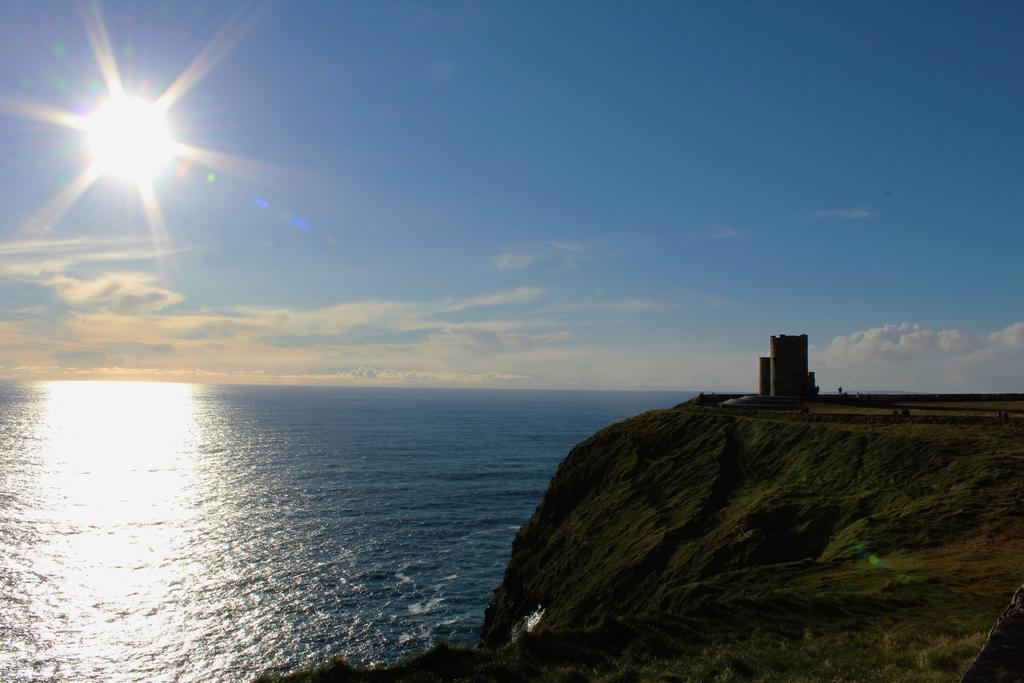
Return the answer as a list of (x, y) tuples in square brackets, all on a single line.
[(1002, 658), (688, 511), (694, 545)]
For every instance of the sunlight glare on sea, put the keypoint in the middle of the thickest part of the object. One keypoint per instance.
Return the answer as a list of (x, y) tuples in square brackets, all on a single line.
[(158, 531), (104, 504)]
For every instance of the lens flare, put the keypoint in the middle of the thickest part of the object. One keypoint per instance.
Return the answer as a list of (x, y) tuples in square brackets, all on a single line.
[(129, 139)]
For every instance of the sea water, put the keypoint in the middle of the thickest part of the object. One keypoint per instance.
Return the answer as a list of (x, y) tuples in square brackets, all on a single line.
[(156, 531)]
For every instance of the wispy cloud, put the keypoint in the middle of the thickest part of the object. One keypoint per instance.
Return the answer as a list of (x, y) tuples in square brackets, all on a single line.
[(844, 213), (38, 260), (124, 292), (568, 253), (520, 295), (360, 376), (513, 261), (128, 323), (495, 341), (118, 322), (571, 247), (371, 375)]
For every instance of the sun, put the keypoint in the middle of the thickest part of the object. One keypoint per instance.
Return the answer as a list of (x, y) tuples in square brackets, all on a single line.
[(129, 139)]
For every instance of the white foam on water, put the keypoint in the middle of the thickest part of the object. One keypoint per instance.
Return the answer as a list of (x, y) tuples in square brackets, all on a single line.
[(402, 578), (425, 607)]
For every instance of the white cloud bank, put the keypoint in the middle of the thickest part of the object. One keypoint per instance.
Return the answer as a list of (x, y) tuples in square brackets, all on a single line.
[(885, 344), (965, 361)]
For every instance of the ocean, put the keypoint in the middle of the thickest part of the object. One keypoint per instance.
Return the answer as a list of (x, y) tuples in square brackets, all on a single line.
[(158, 531)]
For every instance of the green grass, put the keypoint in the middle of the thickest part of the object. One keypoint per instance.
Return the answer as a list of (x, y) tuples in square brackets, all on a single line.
[(691, 544), (936, 408)]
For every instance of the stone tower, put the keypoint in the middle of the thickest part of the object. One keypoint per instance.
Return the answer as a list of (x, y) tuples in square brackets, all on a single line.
[(764, 375), (784, 373)]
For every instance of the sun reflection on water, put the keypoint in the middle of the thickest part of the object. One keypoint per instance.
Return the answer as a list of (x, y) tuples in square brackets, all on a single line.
[(153, 532), (111, 479)]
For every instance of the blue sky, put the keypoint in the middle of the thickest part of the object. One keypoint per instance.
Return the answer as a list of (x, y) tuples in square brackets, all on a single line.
[(525, 195)]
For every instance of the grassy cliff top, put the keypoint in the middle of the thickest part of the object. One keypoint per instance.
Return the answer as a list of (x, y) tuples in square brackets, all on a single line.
[(697, 544)]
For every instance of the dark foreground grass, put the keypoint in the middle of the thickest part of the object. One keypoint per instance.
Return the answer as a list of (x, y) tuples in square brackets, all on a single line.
[(691, 545), (899, 651)]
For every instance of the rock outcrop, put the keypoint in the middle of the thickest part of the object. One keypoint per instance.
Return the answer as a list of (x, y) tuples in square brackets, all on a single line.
[(1002, 658)]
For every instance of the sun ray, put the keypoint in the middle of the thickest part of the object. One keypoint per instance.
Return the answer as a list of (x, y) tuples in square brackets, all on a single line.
[(44, 219), (17, 106), (220, 45), (154, 215), (222, 161), (157, 227), (96, 30)]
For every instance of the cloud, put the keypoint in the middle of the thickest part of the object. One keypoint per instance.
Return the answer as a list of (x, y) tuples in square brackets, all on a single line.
[(671, 367), (87, 359), (520, 295), (37, 258), (890, 343), (569, 253), (955, 341), (917, 358), (513, 261), (994, 362), (844, 213), (371, 375), (572, 247), (362, 376), (124, 292), (1009, 338), (884, 344), (50, 263), (120, 323), (487, 341)]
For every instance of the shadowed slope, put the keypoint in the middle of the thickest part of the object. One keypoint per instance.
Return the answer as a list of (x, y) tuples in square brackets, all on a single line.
[(672, 509)]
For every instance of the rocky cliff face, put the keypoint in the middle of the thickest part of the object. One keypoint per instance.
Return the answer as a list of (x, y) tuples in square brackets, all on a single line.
[(782, 519), (1002, 658)]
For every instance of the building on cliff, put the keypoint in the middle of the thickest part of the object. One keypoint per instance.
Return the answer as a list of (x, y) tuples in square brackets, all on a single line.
[(784, 372)]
